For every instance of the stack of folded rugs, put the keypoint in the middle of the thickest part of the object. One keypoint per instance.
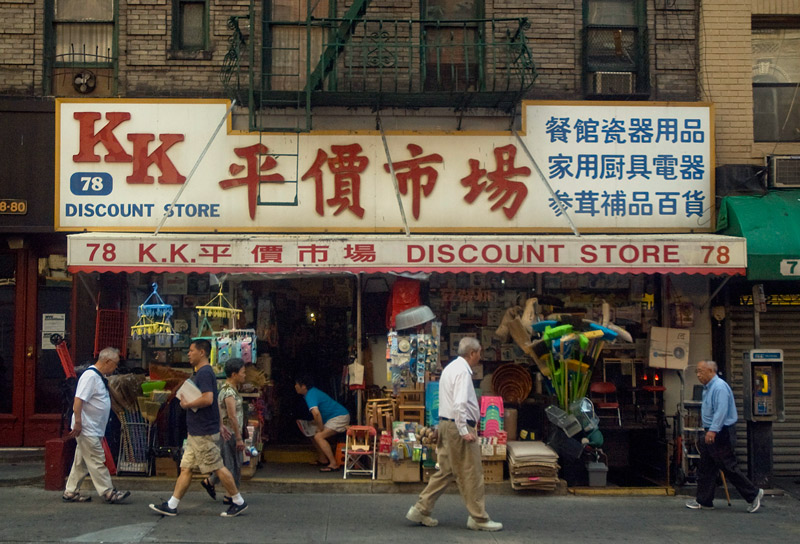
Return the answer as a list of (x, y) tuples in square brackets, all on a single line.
[(532, 465)]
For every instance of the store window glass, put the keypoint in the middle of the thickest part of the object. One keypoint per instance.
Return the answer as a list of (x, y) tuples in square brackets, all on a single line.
[(776, 79)]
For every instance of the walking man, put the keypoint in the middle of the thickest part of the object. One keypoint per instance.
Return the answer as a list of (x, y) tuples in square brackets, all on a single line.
[(458, 451), (202, 446), (90, 412), (716, 447)]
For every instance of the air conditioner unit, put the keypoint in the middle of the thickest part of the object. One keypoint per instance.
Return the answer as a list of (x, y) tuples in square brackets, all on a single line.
[(613, 82), (784, 170)]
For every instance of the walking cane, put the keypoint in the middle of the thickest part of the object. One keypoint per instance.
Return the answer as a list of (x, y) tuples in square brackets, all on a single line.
[(725, 485)]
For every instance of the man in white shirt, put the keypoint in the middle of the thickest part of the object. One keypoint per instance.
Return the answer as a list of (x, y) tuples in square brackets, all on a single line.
[(91, 409), (458, 451)]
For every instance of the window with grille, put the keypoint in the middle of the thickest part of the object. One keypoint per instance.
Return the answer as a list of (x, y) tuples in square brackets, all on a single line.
[(451, 37), (83, 32), (776, 79), (615, 48)]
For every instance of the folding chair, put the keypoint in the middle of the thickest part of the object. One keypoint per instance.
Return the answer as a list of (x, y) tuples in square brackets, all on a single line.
[(360, 451), (605, 389)]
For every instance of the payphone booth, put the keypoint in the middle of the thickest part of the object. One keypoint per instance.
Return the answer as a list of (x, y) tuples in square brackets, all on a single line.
[(763, 385)]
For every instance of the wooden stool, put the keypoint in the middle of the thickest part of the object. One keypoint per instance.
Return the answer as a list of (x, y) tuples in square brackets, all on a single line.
[(411, 406)]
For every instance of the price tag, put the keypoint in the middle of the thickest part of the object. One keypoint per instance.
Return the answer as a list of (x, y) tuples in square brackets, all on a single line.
[(13, 206)]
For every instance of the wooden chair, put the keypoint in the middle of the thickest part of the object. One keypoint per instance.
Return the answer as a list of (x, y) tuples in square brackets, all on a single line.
[(602, 403), (381, 413)]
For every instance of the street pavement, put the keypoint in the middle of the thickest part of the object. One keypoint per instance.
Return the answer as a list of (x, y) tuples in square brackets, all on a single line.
[(31, 514)]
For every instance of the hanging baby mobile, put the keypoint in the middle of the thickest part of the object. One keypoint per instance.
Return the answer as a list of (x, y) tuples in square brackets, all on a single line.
[(154, 318)]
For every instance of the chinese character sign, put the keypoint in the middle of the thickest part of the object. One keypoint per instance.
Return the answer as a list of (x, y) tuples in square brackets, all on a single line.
[(122, 163)]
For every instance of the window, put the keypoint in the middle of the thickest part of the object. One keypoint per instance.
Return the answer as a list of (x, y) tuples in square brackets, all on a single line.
[(776, 79), (83, 32), (286, 45), (451, 37), (190, 25), (615, 52)]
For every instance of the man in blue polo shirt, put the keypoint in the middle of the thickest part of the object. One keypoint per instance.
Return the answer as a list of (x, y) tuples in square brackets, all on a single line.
[(330, 419)]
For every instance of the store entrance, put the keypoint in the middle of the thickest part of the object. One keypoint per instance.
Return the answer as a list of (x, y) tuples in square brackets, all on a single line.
[(309, 324), (31, 377)]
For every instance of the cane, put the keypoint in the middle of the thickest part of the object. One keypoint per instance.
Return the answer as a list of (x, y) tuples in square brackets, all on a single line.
[(725, 485)]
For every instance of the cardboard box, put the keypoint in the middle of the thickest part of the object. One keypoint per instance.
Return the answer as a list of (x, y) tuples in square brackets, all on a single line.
[(405, 471), (166, 466), (669, 348), (492, 471), (383, 468)]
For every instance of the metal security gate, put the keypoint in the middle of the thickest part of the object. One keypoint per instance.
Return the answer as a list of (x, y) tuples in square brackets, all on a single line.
[(780, 329)]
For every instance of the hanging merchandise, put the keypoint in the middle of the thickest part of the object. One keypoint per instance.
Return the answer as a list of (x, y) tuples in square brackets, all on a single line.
[(234, 343), (219, 307), (154, 319)]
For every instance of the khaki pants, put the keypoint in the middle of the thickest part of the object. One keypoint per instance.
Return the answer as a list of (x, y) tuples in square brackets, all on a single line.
[(459, 460), (89, 460)]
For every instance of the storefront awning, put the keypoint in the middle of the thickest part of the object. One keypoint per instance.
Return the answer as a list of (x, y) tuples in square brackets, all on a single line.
[(224, 253), (771, 225)]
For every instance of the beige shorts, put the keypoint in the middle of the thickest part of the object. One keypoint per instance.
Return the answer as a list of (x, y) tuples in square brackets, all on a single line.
[(202, 452), (338, 424)]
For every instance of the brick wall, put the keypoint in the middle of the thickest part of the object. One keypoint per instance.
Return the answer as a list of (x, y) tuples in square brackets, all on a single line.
[(21, 47), (147, 66)]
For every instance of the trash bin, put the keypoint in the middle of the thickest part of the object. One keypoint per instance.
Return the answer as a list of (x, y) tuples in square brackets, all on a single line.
[(598, 473)]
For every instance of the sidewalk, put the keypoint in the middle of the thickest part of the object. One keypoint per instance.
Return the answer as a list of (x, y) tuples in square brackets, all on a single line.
[(41, 516)]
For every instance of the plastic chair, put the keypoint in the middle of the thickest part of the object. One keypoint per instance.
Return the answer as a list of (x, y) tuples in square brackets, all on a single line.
[(360, 451), (605, 389)]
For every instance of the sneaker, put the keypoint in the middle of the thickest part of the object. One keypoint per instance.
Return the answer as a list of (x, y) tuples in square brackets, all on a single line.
[(756, 504), (694, 505), (227, 500), (164, 509), (418, 517), (234, 510), (484, 525)]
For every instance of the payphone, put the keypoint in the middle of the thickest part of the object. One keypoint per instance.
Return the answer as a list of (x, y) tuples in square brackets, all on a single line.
[(762, 371)]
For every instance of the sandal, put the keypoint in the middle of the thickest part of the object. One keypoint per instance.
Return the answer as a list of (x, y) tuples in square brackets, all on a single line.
[(75, 497), (114, 496), (330, 469), (209, 487)]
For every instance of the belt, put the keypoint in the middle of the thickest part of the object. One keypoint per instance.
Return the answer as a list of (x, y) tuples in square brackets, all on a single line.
[(470, 422)]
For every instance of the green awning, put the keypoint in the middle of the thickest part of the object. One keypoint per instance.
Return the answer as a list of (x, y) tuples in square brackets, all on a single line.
[(771, 225)]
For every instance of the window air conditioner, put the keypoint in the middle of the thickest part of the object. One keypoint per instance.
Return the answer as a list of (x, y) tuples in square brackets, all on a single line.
[(784, 170), (614, 82)]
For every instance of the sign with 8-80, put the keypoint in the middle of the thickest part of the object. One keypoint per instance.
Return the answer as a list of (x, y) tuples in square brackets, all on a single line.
[(13, 206)]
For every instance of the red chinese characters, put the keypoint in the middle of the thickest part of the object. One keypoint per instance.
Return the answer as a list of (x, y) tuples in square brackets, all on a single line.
[(415, 174), (267, 254), (312, 253), (252, 178), (360, 253), (346, 166), (502, 187), (215, 251)]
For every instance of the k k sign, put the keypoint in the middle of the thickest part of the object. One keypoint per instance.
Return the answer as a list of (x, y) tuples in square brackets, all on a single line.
[(614, 167)]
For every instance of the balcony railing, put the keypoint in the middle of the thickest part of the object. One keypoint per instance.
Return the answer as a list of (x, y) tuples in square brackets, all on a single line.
[(394, 62)]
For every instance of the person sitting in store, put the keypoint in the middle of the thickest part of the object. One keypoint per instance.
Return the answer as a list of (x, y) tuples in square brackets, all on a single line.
[(230, 407), (329, 419)]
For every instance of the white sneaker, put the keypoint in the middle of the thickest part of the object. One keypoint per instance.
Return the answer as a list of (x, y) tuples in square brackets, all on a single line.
[(694, 505), (484, 525), (756, 504), (418, 517)]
